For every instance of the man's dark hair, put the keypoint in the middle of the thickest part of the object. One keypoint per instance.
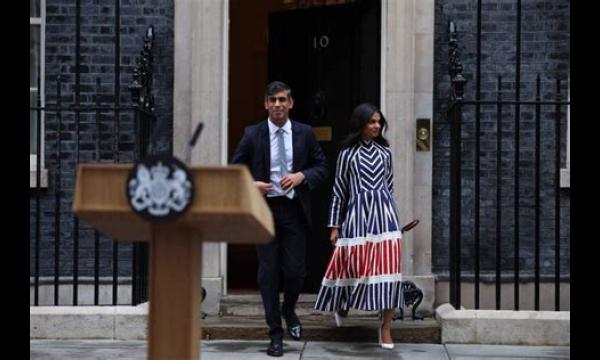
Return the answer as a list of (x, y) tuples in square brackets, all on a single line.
[(277, 86)]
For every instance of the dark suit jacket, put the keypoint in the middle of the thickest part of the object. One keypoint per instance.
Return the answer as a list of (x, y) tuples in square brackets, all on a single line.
[(254, 150)]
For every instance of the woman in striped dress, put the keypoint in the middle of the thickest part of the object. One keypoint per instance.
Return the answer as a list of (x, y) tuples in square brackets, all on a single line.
[(364, 271)]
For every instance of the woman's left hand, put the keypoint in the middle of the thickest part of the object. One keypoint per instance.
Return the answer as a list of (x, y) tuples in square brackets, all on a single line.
[(335, 234)]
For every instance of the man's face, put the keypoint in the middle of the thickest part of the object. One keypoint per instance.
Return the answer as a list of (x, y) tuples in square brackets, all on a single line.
[(278, 105)]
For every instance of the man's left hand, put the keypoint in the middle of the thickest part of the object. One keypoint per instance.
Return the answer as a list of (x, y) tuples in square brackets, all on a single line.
[(290, 181)]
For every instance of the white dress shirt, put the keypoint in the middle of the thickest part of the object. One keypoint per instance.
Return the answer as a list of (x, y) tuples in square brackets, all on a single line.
[(275, 175)]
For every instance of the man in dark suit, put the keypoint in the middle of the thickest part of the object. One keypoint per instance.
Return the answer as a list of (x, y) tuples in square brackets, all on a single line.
[(286, 162)]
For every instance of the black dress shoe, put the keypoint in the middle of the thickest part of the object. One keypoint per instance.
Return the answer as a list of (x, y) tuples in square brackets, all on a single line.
[(295, 331), (275, 348), (294, 327)]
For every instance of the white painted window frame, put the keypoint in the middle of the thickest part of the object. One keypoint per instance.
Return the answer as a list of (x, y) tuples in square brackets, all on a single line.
[(41, 22)]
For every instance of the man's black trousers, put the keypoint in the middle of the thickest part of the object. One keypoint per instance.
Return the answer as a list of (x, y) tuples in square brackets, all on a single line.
[(285, 257)]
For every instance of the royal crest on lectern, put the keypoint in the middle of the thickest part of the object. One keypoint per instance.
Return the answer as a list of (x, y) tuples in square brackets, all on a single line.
[(160, 188)]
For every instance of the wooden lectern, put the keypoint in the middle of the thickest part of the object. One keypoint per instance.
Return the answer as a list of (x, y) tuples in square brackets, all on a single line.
[(226, 206)]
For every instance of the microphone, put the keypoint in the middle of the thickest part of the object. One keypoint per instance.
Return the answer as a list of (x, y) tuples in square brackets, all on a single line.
[(196, 134)]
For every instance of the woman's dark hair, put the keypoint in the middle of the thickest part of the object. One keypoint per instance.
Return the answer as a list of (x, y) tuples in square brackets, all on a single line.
[(360, 117)]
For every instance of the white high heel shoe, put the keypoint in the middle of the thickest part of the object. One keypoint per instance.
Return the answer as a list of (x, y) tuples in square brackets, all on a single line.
[(338, 319), (339, 316), (383, 345)]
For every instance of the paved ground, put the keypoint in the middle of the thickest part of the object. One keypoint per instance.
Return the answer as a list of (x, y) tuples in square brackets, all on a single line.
[(311, 350)]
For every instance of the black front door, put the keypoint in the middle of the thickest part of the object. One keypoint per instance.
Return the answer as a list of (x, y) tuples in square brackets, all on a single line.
[(330, 57)]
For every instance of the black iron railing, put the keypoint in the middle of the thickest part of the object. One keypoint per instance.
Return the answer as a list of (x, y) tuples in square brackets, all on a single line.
[(457, 108), (105, 119)]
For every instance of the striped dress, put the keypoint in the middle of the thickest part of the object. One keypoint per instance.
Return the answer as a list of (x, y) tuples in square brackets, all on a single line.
[(364, 271)]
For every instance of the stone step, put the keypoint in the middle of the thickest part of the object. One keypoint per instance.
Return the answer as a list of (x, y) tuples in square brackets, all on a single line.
[(356, 328), (241, 316), (251, 305)]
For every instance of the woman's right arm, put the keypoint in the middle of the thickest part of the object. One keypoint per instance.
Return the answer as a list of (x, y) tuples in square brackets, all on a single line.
[(340, 193)]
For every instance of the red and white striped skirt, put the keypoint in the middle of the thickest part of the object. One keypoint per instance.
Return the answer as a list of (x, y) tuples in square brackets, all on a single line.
[(364, 273)]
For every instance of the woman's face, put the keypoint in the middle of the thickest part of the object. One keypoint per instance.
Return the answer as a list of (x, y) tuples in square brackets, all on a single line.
[(372, 128)]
